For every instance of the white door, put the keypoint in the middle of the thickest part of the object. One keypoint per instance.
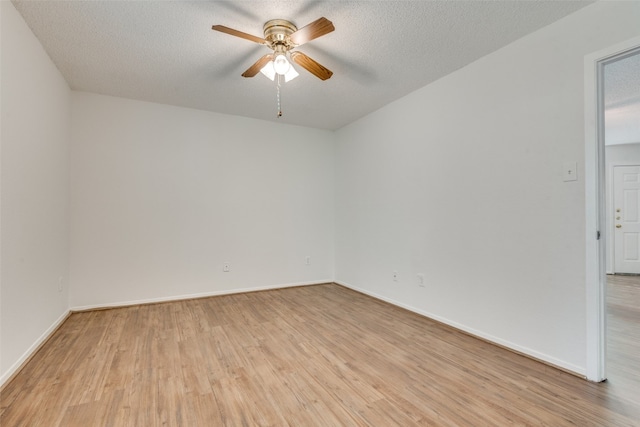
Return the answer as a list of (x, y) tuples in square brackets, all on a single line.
[(626, 219)]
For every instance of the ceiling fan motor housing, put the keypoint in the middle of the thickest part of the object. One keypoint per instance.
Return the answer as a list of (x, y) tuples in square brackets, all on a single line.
[(277, 32)]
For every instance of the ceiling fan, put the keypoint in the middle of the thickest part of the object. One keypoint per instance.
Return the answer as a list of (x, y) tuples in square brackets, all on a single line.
[(282, 36)]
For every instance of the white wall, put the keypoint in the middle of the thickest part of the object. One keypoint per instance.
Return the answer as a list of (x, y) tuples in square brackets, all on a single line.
[(462, 181), (623, 123), (624, 154), (162, 196), (34, 192)]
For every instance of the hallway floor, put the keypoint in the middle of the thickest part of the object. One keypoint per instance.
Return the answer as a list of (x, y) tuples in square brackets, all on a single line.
[(623, 335)]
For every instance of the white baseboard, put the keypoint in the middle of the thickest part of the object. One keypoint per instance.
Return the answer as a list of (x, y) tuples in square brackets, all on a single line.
[(15, 368), (577, 370), (193, 296)]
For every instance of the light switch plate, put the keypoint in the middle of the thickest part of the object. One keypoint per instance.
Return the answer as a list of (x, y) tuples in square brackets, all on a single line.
[(570, 171)]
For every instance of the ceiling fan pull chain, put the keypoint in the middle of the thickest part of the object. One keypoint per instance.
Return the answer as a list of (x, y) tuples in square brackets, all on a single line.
[(278, 94)]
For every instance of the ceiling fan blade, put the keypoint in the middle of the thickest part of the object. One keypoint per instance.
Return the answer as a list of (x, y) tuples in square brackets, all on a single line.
[(257, 66), (237, 33), (311, 66), (317, 28)]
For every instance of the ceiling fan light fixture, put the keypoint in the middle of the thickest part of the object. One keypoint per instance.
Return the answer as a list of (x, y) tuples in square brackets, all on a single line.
[(280, 64), (269, 71), (291, 74)]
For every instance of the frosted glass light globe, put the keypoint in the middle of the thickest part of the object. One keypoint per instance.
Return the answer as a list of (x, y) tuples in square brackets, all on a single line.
[(281, 65)]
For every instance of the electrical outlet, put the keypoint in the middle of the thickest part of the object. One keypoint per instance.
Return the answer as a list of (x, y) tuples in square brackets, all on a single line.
[(395, 276), (307, 260), (60, 283), (226, 267), (421, 280)]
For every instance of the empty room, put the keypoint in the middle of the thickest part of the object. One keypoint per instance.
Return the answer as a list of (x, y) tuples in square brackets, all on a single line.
[(316, 213)]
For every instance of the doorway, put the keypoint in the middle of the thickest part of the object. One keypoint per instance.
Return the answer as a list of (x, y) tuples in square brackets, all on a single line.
[(599, 219), (621, 111)]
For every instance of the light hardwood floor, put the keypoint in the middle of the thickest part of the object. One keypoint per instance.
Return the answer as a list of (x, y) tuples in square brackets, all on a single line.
[(311, 356), (623, 327)]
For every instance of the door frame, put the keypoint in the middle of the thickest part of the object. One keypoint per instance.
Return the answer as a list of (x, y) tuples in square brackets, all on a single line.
[(595, 215)]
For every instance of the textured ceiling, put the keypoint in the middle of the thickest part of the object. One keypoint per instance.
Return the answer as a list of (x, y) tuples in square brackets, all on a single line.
[(166, 52), (622, 100), (622, 82)]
